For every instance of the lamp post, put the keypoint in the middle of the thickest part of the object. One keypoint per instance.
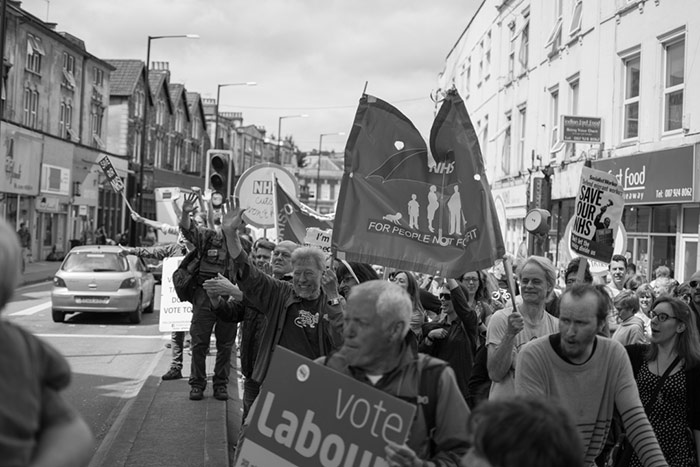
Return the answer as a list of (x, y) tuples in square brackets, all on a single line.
[(318, 165), (218, 93), (279, 132), (144, 124)]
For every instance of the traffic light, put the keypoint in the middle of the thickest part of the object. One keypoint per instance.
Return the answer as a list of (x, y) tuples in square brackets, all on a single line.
[(219, 172)]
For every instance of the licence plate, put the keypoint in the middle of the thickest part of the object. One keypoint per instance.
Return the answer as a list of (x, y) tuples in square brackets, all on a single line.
[(91, 300)]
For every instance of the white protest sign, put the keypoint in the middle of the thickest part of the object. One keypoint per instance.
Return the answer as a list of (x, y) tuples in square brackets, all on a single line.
[(318, 238), (255, 193), (597, 217), (174, 314)]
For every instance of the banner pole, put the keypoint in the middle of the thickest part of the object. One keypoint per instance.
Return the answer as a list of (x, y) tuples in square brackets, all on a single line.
[(508, 267)]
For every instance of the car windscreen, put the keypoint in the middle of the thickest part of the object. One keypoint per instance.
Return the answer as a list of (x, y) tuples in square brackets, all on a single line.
[(95, 262)]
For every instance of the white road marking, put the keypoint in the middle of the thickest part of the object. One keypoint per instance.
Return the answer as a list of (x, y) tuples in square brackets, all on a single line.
[(103, 336), (33, 309)]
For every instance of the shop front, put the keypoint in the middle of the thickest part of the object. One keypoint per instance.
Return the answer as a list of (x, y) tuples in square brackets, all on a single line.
[(565, 183), (19, 184), (662, 209), (511, 207)]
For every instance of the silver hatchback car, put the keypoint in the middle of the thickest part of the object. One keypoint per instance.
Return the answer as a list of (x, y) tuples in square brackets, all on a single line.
[(102, 279)]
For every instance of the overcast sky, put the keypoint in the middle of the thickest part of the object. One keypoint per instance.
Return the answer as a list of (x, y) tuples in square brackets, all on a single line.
[(308, 57)]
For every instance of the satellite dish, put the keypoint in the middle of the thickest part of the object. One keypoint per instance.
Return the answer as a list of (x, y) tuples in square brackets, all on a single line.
[(537, 221)]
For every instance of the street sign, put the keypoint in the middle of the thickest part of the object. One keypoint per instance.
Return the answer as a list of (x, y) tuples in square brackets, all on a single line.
[(308, 415), (174, 314), (577, 129), (255, 192)]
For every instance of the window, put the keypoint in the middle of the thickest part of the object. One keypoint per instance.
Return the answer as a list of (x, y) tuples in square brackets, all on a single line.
[(556, 145), (96, 114), (177, 162), (195, 128), (524, 45), (554, 40), (159, 152), (31, 107), (511, 53), (160, 112), (179, 120), (468, 77), (137, 147), (98, 76), (674, 84), (522, 126), (484, 136), (573, 109), (35, 51), (631, 101), (65, 121), (505, 155), (68, 70), (481, 63), (576, 18)]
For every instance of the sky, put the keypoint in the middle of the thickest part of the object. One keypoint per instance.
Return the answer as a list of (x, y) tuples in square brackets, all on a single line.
[(307, 56)]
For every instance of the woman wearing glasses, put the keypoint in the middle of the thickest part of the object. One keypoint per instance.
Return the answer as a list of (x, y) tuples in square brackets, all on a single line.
[(667, 372)]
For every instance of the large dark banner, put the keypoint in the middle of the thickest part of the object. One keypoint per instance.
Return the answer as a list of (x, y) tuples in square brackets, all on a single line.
[(294, 217), (405, 207)]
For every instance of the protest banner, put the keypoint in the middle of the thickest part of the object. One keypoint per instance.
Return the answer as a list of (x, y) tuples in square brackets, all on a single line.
[(174, 314), (599, 206), (405, 207), (255, 192), (111, 174), (293, 218), (308, 415)]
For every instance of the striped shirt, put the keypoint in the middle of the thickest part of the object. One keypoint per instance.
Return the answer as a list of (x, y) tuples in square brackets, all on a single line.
[(590, 392)]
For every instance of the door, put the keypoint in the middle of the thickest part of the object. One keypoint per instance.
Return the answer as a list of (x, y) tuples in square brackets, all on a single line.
[(688, 259)]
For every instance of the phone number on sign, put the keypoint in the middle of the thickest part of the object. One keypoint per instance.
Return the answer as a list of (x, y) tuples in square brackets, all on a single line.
[(674, 192)]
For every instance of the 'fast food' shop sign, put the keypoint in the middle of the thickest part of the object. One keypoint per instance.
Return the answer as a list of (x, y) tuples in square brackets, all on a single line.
[(654, 177)]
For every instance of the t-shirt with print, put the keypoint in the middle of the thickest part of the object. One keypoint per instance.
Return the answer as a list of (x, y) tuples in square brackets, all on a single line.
[(300, 332), (498, 326)]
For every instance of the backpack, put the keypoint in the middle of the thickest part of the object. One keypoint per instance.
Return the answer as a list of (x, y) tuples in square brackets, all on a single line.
[(185, 277)]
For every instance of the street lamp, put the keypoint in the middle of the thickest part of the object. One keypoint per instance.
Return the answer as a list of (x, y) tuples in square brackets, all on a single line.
[(279, 132), (318, 165), (218, 93), (142, 149)]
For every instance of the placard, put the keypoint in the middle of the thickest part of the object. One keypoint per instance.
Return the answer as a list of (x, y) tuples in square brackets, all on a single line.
[(308, 415), (174, 314), (599, 206)]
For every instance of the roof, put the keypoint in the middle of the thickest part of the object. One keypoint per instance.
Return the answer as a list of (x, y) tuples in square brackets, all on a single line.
[(177, 94), (156, 80), (126, 75), (326, 163)]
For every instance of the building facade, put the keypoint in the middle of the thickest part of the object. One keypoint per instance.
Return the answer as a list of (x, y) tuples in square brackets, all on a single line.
[(54, 100), (623, 65)]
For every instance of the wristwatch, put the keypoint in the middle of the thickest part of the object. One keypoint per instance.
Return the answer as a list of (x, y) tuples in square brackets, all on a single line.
[(334, 301)]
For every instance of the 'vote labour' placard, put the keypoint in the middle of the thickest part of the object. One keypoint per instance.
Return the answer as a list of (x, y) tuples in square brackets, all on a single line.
[(599, 206), (310, 415)]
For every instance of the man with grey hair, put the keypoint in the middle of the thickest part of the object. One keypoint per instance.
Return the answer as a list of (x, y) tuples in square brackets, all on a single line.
[(305, 316), (510, 329), (37, 424), (378, 350)]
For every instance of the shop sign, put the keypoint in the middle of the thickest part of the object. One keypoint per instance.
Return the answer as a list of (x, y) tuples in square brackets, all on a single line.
[(21, 155), (47, 204), (577, 129), (55, 180), (654, 177)]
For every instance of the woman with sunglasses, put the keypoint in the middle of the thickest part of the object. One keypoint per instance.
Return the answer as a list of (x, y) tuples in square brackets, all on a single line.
[(453, 337), (407, 281), (673, 408)]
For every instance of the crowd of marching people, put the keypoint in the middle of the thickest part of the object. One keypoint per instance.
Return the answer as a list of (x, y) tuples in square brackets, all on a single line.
[(556, 369)]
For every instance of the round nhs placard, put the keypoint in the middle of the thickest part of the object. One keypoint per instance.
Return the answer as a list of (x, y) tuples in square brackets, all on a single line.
[(255, 192)]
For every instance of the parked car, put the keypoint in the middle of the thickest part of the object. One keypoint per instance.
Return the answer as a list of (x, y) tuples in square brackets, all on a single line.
[(101, 279)]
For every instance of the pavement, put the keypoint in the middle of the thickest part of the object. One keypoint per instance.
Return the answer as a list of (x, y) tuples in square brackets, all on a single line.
[(161, 427)]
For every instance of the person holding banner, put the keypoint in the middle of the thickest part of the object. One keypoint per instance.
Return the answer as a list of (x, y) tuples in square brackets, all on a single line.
[(509, 329), (304, 316), (379, 350)]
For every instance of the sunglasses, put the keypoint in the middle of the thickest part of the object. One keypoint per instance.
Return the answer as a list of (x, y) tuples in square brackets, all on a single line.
[(693, 284), (445, 296), (660, 316)]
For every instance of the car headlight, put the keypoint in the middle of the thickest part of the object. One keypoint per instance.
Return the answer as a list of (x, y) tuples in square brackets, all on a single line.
[(128, 283), (58, 282)]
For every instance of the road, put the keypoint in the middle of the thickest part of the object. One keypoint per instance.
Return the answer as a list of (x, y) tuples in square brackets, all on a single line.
[(110, 358)]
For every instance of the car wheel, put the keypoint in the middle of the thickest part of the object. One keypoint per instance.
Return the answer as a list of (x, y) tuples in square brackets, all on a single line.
[(58, 316), (149, 308), (135, 316)]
